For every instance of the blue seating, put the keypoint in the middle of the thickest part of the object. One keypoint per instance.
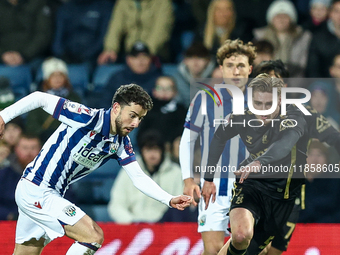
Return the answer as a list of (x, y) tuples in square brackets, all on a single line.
[(79, 75), (169, 69), (103, 73), (20, 77)]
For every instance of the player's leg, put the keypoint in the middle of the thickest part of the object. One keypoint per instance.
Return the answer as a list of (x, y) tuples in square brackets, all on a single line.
[(213, 223), (213, 241), (88, 235), (31, 247), (242, 225), (225, 248)]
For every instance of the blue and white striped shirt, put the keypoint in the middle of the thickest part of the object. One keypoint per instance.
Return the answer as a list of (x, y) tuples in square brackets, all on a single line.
[(81, 144), (234, 151)]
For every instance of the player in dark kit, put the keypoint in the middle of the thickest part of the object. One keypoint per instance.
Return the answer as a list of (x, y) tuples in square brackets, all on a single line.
[(318, 128), (279, 147)]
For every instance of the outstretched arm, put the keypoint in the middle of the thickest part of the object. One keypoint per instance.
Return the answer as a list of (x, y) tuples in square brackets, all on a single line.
[(34, 100), (146, 185)]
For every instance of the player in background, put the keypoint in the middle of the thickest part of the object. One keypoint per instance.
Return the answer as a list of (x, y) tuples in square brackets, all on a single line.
[(86, 139), (264, 200), (235, 60)]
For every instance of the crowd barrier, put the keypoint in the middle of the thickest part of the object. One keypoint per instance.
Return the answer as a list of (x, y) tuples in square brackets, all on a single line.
[(177, 239)]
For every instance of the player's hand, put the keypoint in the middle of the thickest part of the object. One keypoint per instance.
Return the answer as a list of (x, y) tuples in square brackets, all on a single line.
[(181, 202), (253, 167), (2, 128), (208, 190), (192, 189)]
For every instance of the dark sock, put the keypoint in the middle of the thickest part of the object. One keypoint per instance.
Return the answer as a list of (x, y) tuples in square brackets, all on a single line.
[(233, 251)]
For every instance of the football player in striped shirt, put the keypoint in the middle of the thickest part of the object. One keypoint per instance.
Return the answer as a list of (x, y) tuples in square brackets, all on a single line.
[(86, 139), (235, 59)]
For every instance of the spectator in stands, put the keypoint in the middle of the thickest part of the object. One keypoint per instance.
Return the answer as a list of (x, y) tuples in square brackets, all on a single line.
[(290, 41), (5, 151), (56, 82), (167, 114), (25, 151), (127, 204), (13, 131), (334, 71), (264, 50), (220, 24), (322, 101), (80, 29), (149, 21), (197, 63), (27, 33), (322, 189), (139, 69), (325, 44), (7, 96), (318, 15)]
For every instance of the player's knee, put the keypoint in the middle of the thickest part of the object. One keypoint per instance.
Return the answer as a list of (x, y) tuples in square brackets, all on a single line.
[(242, 237)]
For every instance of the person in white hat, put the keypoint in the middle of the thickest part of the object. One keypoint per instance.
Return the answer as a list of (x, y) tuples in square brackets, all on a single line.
[(55, 82), (290, 41)]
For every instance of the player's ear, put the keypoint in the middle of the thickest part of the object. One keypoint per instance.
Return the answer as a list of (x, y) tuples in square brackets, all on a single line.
[(116, 107), (250, 69)]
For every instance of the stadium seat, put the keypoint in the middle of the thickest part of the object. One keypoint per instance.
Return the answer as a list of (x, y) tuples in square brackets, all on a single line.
[(103, 73), (20, 77), (79, 75), (169, 69)]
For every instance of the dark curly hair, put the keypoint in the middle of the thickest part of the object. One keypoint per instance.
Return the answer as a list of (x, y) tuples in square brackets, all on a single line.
[(132, 93), (279, 68)]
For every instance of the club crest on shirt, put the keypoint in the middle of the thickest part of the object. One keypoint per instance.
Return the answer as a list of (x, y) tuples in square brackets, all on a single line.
[(70, 210), (202, 220), (114, 147)]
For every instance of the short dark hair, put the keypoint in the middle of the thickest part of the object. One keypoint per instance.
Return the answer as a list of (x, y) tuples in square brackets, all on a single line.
[(132, 93), (279, 68), (151, 138), (264, 46), (197, 49)]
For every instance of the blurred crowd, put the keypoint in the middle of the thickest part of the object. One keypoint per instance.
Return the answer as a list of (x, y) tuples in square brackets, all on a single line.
[(83, 50)]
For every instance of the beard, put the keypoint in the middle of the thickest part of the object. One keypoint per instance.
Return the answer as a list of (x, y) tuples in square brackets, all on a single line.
[(118, 123)]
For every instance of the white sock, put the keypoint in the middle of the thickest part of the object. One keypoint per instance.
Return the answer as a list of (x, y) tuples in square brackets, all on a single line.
[(79, 248)]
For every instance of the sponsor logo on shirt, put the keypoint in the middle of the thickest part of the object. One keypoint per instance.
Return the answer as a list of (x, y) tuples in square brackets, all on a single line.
[(87, 157)]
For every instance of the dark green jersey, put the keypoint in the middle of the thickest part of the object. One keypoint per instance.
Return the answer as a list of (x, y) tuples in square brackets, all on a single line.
[(280, 146)]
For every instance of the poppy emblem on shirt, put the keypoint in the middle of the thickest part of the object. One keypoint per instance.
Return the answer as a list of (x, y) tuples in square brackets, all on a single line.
[(128, 148)]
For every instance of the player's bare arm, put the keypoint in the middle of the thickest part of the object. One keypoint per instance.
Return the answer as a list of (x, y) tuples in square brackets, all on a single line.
[(191, 188)]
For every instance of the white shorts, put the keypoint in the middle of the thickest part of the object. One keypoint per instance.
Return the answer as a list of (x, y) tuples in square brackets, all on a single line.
[(215, 218), (42, 212)]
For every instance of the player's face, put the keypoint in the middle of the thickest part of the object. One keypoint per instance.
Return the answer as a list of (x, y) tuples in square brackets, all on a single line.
[(236, 70), (125, 119), (264, 101)]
